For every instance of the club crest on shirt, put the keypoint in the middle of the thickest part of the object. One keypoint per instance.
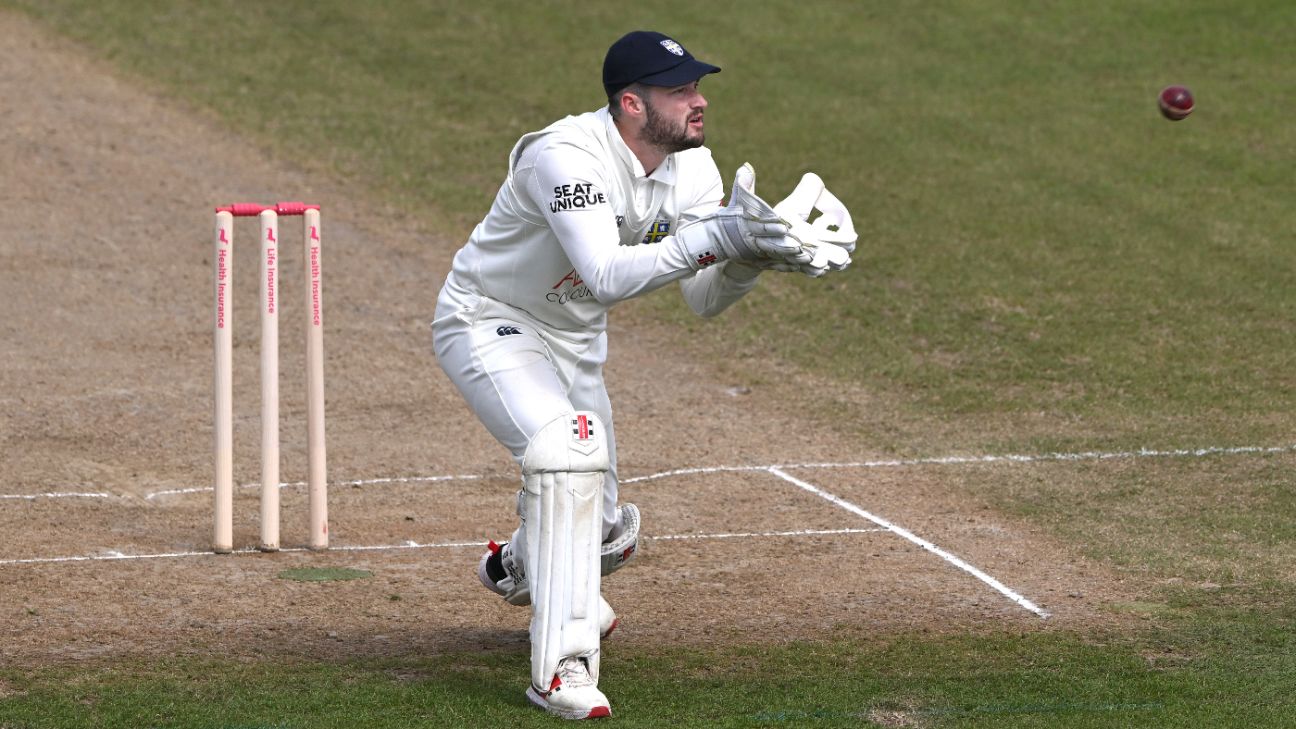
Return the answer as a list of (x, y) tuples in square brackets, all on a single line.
[(576, 196), (660, 229)]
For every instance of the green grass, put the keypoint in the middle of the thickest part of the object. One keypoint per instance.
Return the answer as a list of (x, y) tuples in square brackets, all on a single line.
[(1044, 263), (1240, 673), (1221, 521), (1035, 237)]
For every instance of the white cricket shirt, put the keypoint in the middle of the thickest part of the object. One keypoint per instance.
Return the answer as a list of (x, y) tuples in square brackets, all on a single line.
[(577, 226)]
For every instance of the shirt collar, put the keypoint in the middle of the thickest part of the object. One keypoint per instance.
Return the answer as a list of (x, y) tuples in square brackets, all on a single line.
[(665, 172)]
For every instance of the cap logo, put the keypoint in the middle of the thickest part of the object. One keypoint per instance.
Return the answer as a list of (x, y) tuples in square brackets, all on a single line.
[(673, 47)]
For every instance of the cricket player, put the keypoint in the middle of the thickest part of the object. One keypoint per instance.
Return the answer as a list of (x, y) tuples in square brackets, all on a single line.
[(595, 209)]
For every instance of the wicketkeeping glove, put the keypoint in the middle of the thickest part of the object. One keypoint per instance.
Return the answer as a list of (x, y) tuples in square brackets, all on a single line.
[(747, 229), (830, 237)]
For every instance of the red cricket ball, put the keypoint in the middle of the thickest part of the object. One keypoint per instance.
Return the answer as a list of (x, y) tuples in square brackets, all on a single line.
[(1175, 102)]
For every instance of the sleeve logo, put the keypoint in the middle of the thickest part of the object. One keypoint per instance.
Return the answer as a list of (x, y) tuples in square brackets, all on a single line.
[(577, 196)]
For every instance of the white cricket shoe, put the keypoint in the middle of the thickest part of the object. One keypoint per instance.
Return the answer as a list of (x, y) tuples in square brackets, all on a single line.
[(512, 585), (573, 694)]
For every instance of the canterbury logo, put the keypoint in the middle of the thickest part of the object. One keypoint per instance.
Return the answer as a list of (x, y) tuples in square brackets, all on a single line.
[(505, 331)]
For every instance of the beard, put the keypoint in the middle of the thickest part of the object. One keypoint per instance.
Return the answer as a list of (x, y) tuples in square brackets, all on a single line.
[(666, 136)]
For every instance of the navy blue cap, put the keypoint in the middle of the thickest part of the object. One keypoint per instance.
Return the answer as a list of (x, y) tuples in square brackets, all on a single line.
[(648, 57)]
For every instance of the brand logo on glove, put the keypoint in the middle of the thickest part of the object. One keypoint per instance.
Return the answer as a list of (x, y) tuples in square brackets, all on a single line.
[(505, 331), (706, 258), (577, 196)]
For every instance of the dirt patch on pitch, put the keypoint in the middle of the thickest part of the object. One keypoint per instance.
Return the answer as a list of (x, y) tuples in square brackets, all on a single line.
[(105, 373)]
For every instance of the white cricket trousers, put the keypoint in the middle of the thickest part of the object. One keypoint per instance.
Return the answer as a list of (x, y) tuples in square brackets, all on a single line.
[(518, 375)]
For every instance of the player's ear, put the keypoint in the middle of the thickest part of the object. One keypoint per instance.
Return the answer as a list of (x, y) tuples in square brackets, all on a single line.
[(632, 103)]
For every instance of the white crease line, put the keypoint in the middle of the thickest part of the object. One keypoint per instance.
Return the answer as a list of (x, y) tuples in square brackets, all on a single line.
[(58, 495), (891, 463), (741, 535), (114, 556), (901, 531), (991, 458), (692, 471), (1047, 457), (406, 479), (196, 490), (109, 557), (300, 484), (409, 544)]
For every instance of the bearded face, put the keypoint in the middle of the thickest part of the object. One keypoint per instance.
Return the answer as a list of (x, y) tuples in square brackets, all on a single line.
[(673, 123)]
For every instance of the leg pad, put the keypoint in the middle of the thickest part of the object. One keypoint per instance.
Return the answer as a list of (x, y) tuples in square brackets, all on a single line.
[(563, 471)]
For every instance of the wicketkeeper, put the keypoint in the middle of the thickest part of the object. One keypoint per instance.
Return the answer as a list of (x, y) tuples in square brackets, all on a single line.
[(596, 209)]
